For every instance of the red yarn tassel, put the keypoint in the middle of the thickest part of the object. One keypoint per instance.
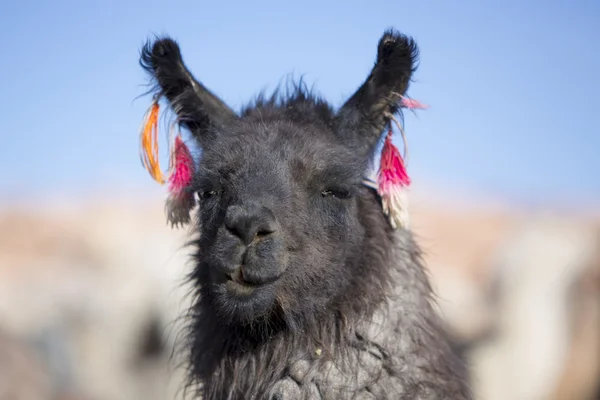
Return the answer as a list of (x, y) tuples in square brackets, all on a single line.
[(182, 165), (412, 104), (180, 200), (393, 182)]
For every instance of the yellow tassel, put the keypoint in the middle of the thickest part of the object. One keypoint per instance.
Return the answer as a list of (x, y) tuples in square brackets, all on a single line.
[(149, 143)]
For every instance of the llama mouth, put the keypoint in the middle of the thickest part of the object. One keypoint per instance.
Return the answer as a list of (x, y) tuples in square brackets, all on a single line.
[(237, 283), (238, 277)]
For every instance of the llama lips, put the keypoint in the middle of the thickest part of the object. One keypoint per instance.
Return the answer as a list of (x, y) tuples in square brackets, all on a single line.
[(236, 282), (238, 277)]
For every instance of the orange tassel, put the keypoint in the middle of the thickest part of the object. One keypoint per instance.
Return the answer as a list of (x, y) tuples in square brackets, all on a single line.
[(149, 143)]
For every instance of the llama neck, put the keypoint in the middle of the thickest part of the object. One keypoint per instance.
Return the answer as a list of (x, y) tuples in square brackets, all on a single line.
[(398, 351)]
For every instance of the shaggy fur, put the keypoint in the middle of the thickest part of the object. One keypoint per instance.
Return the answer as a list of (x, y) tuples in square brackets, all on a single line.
[(303, 291)]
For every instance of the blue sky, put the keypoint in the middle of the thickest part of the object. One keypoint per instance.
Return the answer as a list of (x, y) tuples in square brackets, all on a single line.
[(513, 86)]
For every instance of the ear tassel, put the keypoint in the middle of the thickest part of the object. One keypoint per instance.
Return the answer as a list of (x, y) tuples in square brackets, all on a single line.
[(181, 167), (180, 200), (392, 184), (392, 179), (412, 104), (149, 143)]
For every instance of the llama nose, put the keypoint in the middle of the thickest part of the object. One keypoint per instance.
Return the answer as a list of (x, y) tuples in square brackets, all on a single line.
[(250, 222)]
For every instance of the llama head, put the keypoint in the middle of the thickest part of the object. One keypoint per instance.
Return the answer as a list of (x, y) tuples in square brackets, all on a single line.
[(283, 216)]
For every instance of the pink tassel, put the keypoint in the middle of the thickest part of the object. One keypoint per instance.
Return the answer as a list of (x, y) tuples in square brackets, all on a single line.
[(180, 201), (413, 104), (183, 168), (393, 182)]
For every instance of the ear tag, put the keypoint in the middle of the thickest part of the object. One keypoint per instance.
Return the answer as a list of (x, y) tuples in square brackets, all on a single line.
[(392, 179), (180, 201)]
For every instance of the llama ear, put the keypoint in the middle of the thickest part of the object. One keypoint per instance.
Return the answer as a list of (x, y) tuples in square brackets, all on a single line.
[(362, 119), (195, 106)]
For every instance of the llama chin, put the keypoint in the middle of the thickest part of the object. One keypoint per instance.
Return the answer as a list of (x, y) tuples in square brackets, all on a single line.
[(306, 288)]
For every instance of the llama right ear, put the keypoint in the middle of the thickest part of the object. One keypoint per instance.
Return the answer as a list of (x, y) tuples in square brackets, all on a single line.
[(195, 106), (362, 119)]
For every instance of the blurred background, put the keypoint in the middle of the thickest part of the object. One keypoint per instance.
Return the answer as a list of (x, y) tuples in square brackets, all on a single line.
[(505, 198)]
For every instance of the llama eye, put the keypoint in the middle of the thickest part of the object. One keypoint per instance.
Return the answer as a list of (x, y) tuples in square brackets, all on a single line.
[(207, 194), (340, 194)]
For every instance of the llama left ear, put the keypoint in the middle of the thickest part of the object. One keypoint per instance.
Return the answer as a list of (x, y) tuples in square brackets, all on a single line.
[(362, 119), (195, 106)]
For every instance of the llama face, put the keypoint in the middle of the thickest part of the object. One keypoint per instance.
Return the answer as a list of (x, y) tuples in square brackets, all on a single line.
[(278, 216), (279, 187)]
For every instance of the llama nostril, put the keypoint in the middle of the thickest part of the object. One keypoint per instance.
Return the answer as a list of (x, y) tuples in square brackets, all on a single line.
[(264, 233), (250, 223)]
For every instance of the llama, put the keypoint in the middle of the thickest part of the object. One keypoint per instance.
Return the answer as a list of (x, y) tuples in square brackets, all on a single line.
[(303, 289)]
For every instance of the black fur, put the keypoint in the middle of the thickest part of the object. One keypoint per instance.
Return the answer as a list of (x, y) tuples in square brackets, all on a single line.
[(282, 200)]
